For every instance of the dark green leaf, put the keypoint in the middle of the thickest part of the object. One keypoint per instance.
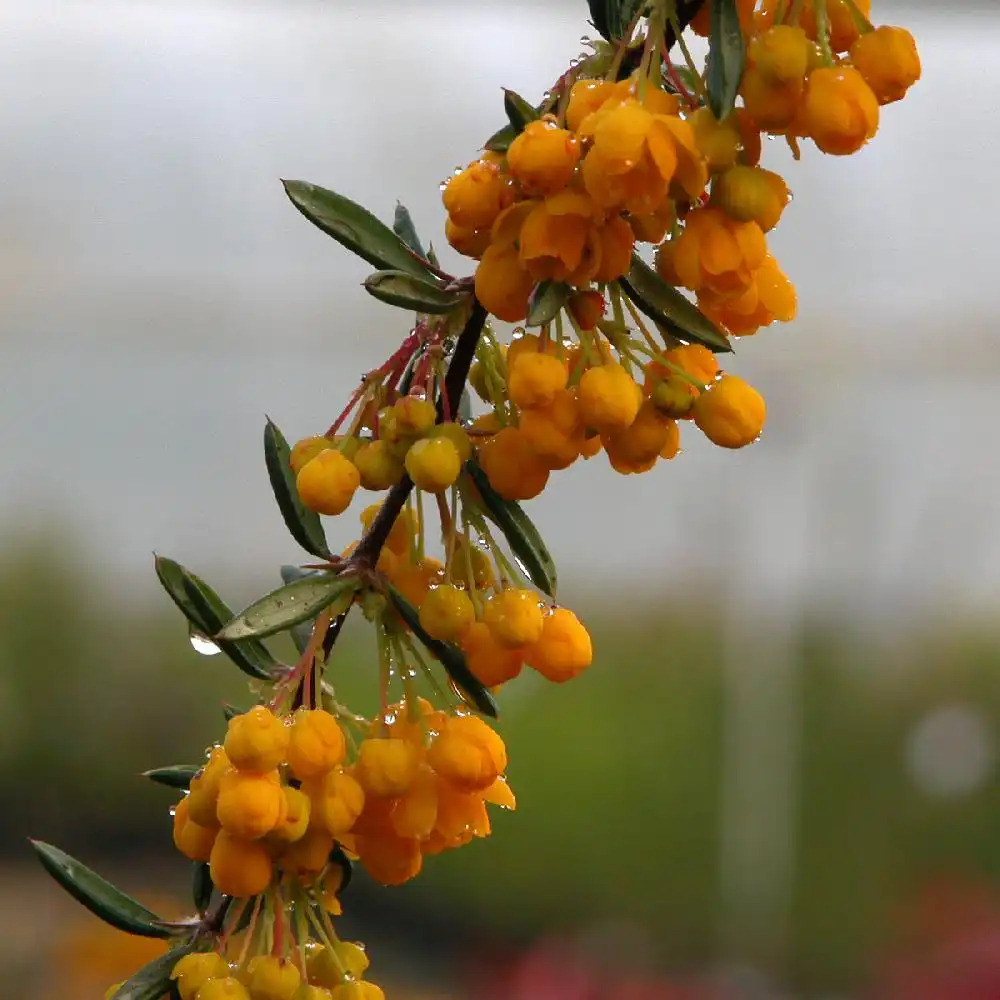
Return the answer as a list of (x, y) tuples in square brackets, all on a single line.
[(174, 776), (861, 22), (206, 611), (500, 141), (301, 633), (353, 226), (521, 534), (338, 857), (291, 604), (231, 711), (670, 308), (546, 300), (519, 111), (406, 380), (152, 981), (726, 55), (303, 523), (112, 905), (404, 290), (201, 886), (612, 17), (403, 227), (451, 657), (600, 16)]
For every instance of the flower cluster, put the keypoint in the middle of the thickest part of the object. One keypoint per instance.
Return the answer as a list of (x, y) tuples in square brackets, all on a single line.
[(629, 154), (291, 795)]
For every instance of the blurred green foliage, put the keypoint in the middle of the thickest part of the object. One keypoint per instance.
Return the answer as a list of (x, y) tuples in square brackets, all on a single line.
[(617, 774)]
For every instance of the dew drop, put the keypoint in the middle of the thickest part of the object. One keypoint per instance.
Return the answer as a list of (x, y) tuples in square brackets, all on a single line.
[(201, 643)]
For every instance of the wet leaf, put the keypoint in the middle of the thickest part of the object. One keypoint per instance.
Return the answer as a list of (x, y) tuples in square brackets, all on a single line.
[(451, 657), (174, 776), (521, 534), (201, 886), (303, 524), (152, 981), (519, 111), (353, 226), (338, 857), (301, 633), (112, 905), (726, 56), (403, 227), (207, 612), (500, 141), (291, 604), (671, 308), (546, 300), (612, 17), (408, 292)]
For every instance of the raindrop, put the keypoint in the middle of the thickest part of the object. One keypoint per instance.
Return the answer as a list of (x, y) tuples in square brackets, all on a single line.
[(201, 643)]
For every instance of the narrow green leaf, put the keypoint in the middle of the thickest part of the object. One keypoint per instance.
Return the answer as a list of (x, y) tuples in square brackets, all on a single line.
[(406, 380), (403, 227), (600, 16), (231, 711), (726, 56), (408, 292), (152, 981), (451, 657), (112, 905), (174, 776), (353, 226), (301, 633), (303, 524), (670, 308), (291, 604), (546, 300), (521, 534), (500, 141), (201, 886), (612, 17), (207, 612), (338, 857), (519, 111), (860, 21)]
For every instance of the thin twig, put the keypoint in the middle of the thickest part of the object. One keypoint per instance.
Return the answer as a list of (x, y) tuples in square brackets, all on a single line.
[(367, 552)]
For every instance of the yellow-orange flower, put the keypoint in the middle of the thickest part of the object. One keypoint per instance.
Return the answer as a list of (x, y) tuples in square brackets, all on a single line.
[(718, 253), (840, 111), (771, 296), (888, 60), (543, 157)]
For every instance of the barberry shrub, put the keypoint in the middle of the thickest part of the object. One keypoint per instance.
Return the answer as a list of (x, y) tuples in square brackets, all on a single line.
[(621, 223)]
